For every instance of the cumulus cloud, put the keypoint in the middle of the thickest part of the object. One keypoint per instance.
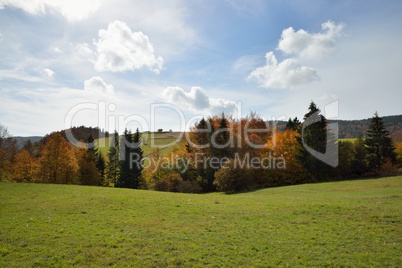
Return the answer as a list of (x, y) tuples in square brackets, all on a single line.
[(310, 46), (72, 10), (291, 72), (119, 49), (197, 100), (97, 85), (47, 73), (286, 74)]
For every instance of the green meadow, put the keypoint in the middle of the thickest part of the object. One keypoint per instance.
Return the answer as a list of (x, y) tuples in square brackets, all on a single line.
[(165, 141), (352, 140), (338, 224)]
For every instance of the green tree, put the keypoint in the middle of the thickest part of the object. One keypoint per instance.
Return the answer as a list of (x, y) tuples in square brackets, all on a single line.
[(346, 157), (293, 124), (112, 168), (314, 136), (101, 166), (137, 165), (378, 144), (221, 146), (359, 162), (200, 136), (131, 163)]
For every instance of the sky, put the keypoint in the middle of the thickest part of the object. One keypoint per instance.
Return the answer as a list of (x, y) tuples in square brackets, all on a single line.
[(166, 64)]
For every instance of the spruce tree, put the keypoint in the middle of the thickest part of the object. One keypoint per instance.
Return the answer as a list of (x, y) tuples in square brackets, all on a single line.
[(222, 139), (137, 165), (112, 169), (378, 144), (124, 162), (315, 137), (131, 162), (101, 166), (201, 136), (293, 124)]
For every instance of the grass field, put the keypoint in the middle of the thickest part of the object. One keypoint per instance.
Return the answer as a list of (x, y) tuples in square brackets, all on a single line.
[(352, 140), (164, 141), (348, 224)]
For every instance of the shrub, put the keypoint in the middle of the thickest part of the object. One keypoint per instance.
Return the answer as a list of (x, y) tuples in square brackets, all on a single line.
[(230, 179)]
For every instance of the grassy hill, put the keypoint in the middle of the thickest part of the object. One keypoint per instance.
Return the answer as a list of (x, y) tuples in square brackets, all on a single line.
[(349, 223), (165, 141)]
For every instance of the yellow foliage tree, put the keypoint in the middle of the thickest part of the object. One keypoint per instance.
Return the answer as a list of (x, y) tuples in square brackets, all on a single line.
[(24, 167), (58, 163), (285, 144)]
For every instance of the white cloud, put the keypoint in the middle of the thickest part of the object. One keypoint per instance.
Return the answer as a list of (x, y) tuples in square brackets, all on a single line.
[(170, 24), (197, 97), (286, 74), (84, 50), (291, 72), (97, 85), (119, 49), (311, 46), (47, 73), (72, 10), (197, 100)]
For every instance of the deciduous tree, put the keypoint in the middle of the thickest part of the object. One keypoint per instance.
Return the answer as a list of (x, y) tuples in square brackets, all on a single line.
[(58, 163), (24, 168)]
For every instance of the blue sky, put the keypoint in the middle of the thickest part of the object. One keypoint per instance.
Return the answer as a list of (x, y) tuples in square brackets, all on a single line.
[(165, 64)]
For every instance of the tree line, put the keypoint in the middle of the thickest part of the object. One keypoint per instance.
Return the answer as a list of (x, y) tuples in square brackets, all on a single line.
[(219, 153)]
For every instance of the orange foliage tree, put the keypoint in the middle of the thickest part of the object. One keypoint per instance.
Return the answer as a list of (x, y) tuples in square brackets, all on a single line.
[(285, 145), (24, 168), (58, 163)]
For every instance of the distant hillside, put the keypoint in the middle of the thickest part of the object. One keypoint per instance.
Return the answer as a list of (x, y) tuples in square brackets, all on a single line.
[(352, 128), (81, 133), (22, 140)]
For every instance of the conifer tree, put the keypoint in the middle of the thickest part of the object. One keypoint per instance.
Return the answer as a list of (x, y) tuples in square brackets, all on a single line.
[(101, 166), (314, 136), (222, 139), (124, 162), (137, 165), (112, 168), (131, 161), (293, 124), (378, 144)]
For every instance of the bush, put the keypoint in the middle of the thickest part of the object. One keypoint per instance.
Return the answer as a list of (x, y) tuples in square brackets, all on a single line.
[(230, 179)]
